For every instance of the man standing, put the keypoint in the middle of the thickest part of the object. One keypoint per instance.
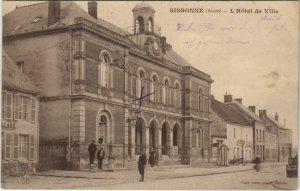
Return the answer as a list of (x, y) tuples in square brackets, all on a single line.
[(100, 157), (142, 164), (92, 151)]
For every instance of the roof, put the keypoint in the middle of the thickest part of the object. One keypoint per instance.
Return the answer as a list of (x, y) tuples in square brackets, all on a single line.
[(276, 122), (13, 77), (245, 109), (22, 19), (143, 6), (228, 114), (172, 56), (35, 18)]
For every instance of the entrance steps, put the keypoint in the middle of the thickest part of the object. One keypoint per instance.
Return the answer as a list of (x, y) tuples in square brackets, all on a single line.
[(203, 164)]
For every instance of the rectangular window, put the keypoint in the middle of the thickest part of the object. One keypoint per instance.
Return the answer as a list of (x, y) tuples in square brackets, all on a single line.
[(8, 146), (32, 109), (76, 70), (16, 146), (16, 106), (82, 69), (21, 65), (234, 136), (76, 45), (234, 154), (31, 148), (3, 104), (82, 46), (9, 105), (24, 144)]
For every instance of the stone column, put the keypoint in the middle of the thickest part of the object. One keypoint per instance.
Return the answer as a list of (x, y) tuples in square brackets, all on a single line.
[(126, 129), (147, 140), (171, 142), (159, 143), (132, 140), (188, 140)]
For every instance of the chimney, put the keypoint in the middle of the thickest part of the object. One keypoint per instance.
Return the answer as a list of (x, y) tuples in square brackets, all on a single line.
[(92, 7), (164, 44), (276, 116), (227, 98), (53, 12), (240, 100), (252, 108), (262, 113)]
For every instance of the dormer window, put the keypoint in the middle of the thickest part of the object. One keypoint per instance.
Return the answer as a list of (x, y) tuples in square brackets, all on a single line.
[(36, 19)]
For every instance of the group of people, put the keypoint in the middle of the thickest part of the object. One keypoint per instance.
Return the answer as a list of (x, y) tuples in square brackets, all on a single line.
[(142, 162), (100, 154)]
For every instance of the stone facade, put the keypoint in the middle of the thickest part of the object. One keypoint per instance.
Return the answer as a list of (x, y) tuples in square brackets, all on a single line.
[(90, 79)]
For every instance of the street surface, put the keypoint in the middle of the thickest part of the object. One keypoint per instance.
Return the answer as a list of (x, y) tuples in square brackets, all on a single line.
[(240, 177)]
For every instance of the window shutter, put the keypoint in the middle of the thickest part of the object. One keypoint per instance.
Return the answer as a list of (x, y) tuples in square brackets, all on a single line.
[(3, 104), (31, 148), (8, 146), (2, 146), (9, 105), (82, 69), (16, 106), (27, 108), (32, 109), (16, 146)]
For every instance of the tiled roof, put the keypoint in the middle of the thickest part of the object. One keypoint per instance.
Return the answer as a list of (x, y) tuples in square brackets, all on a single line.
[(228, 114), (275, 122), (22, 19), (246, 110), (172, 56), (13, 77), (35, 18)]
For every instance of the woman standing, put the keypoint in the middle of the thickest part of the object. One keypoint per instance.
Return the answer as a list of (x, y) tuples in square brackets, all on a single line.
[(151, 160)]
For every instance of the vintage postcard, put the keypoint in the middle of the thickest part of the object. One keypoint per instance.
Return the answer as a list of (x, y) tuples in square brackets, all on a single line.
[(156, 95)]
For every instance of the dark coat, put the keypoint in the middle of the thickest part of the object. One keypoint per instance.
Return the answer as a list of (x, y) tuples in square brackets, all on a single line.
[(100, 156), (142, 160), (151, 157), (92, 149)]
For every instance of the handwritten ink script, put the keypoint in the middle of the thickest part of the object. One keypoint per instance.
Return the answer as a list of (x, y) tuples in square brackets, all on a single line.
[(265, 23)]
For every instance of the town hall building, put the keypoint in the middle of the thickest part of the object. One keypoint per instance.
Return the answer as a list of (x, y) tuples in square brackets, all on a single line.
[(96, 80)]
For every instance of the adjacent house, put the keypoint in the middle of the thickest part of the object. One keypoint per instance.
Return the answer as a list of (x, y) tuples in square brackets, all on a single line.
[(19, 122), (256, 122), (238, 132)]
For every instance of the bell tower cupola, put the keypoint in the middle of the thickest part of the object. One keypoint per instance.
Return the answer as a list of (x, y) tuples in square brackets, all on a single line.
[(143, 19)]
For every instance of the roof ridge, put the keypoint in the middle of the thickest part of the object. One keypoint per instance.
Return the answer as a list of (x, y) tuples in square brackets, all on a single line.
[(30, 5)]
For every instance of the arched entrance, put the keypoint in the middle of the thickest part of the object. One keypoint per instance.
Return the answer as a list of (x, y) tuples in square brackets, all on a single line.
[(104, 130), (177, 139), (140, 135), (153, 134), (165, 138)]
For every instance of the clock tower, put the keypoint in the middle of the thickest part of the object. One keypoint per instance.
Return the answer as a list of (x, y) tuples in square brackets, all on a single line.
[(145, 33)]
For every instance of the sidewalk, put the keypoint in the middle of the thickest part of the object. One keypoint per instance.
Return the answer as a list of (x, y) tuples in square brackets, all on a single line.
[(157, 172)]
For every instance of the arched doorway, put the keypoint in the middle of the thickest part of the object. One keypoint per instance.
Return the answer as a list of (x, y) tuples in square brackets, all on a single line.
[(140, 135), (153, 134), (104, 129), (165, 138), (177, 139)]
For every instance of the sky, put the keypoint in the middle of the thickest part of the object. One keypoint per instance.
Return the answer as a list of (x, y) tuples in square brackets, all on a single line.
[(253, 56)]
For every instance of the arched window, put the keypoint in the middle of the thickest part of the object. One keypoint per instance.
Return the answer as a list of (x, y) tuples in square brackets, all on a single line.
[(200, 100), (102, 130), (154, 89), (150, 24), (103, 70), (166, 89), (139, 25), (177, 97), (140, 81)]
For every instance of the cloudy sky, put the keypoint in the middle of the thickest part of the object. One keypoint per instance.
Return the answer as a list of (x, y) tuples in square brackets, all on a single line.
[(253, 56)]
